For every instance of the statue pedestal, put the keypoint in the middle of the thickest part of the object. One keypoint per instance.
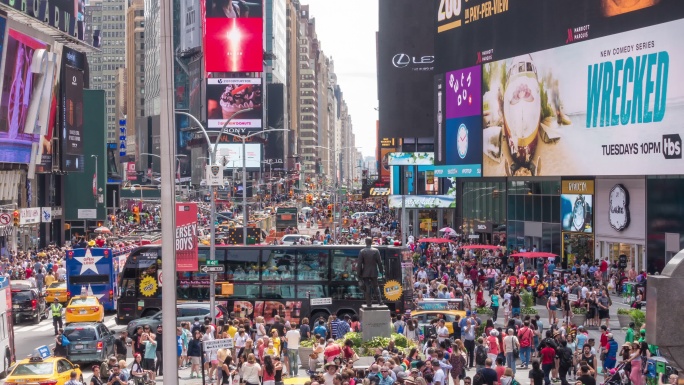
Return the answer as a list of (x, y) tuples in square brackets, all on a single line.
[(375, 321)]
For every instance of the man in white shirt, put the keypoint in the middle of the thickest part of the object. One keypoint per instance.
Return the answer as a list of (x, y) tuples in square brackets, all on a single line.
[(421, 274), (438, 377), (240, 340), (585, 291), (293, 337), (442, 331)]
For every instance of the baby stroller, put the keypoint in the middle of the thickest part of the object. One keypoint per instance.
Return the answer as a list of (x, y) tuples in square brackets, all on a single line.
[(617, 376)]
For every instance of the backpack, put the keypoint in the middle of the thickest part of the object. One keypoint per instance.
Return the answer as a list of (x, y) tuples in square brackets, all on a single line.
[(65, 341), (400, 328), (478, 378), (196, 328), (480, 355), (566, 358)]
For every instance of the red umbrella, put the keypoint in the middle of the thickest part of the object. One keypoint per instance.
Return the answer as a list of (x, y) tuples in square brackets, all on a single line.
[(479, 247), (435, 240), (534, 254)]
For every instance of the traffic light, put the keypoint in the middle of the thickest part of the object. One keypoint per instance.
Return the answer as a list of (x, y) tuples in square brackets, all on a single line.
[(15, 218), (136, 214), (330, 207)]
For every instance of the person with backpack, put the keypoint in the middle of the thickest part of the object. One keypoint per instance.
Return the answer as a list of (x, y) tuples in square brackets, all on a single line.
[(61, 343), (510, 345), (564, 355), (480, 354), (526, 338)]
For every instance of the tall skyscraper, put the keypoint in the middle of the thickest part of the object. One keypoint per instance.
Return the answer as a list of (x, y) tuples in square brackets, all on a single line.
[(135, 72), (107, 19)]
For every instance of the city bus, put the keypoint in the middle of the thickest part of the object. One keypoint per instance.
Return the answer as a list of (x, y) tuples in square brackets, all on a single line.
[(291, 281), (286, 217), (6, 327), (95, 271)]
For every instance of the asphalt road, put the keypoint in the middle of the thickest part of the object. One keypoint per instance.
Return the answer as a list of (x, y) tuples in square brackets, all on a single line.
[(27, 337)]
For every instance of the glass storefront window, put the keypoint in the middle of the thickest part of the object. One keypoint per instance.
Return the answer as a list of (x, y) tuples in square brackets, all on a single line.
[(242, 265), (311, 291), (277, 291), (344, 265), (277, 265), (346, 292), (312, 265)]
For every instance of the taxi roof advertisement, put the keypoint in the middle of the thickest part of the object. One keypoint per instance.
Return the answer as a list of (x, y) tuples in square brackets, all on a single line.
[(593, 93)]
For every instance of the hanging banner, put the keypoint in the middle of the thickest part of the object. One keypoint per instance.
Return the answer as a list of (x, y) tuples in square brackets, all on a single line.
[(186, 237)]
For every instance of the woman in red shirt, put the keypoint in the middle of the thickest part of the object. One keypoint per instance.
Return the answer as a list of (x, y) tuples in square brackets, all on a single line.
[(548, 355)]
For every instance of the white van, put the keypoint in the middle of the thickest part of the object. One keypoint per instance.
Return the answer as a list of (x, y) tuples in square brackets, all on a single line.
[(360, 214)]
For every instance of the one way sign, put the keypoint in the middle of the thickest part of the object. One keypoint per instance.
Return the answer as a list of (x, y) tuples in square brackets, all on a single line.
[(212, 269)]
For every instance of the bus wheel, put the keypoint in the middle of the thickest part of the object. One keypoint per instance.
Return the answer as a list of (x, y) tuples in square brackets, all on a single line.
[(316, 316)]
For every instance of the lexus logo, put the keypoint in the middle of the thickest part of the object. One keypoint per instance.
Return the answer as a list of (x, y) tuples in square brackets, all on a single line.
[(402, 60)]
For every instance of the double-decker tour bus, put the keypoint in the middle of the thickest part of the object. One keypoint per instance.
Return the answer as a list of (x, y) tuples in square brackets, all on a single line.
[(95, 271), (291, 281), (6, 326)]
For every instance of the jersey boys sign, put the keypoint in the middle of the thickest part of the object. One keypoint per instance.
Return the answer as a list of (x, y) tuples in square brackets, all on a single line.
[(606, 106), (186, 237)]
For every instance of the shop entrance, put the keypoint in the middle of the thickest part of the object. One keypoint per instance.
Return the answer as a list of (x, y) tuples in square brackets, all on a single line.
[(634, 254)]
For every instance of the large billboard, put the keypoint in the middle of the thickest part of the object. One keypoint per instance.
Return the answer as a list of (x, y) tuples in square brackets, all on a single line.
[(463, 128), (405, 68), (234, 9), (191, 29), (608, 106), (274, 147), (227, 96), (229, 155), (234, 45), (72, 119), (17, 92), (471, 32)]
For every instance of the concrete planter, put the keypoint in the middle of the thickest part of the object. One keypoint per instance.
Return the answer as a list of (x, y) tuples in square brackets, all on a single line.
[(304, 356), (579, 319), (624, 320)]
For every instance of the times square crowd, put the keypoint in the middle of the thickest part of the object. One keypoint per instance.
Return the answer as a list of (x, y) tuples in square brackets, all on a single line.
[(507, 345)]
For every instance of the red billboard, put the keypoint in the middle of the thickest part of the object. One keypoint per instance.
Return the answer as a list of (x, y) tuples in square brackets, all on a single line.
[(186, 237), (235, 45)]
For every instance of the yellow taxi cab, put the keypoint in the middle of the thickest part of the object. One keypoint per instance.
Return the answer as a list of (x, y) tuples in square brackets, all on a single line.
[(43, 371), (58, 291), (430, 309), (84, 308)]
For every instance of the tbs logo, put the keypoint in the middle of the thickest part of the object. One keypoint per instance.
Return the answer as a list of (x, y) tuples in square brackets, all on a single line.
[(672, 146)]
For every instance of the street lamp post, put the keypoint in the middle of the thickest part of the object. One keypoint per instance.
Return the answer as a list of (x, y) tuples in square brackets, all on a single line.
[(212, 227), (243, 138)]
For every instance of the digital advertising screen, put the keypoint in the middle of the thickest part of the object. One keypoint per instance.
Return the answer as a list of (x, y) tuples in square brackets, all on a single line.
[(229, 155), (228, 96), (607, 106), (236, 45), (72, 119), (405, 64), (577, 213), (234, 9), (463, 126), (17, 91)]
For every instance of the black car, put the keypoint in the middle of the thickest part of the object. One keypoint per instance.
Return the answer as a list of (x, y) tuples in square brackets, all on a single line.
[(28, 304), (89, 342), (185, 312)]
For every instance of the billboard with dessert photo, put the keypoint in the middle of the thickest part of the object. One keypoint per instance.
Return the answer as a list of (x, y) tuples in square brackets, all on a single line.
[(227, 96), (608, 106)]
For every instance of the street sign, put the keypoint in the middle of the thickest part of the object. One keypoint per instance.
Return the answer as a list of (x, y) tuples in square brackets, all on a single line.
[(212, 269), (321, 301), (226, 343), (214, 175), (5, 219), (212, 262)]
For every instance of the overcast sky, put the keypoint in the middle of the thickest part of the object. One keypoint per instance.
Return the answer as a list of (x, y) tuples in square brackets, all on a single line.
[(347, 30)]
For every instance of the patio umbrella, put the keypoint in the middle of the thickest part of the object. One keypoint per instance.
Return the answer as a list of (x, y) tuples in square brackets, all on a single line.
[(447, 230), (435, 240), (480, 247), (103, 230), (534, 254)]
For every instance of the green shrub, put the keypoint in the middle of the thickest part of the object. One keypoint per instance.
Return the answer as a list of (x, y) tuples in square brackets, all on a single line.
[(484, 310), (639, 317), (307, 343), (375, 342), (624, 311), (529, 311), (400, 341), (355, 337), (527, 299), (579, 310)]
